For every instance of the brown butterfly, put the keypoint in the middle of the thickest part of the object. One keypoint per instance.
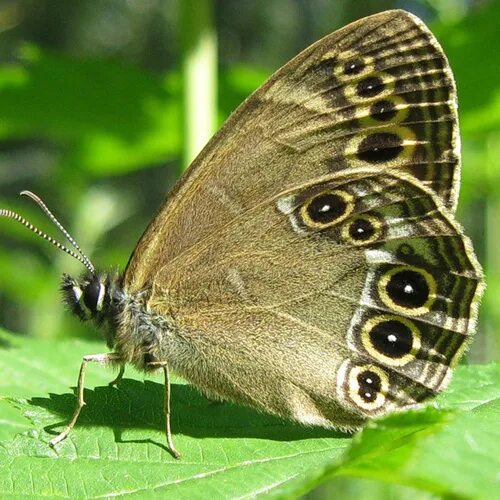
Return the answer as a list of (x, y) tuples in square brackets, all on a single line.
[(308, 263)]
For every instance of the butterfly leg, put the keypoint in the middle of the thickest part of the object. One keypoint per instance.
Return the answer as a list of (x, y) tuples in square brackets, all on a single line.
[(168, 432), (119, 377), (94, 358)]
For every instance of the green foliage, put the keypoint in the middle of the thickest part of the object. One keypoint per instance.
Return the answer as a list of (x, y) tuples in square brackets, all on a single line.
[(448, 448), (475, 59), (472, 47), (114, 117)]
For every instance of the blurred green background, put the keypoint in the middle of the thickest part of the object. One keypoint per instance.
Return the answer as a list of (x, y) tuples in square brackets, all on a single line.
[(96, 116)]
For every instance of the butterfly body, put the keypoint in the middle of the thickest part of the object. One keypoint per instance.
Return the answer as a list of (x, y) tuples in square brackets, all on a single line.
[(309, 263)]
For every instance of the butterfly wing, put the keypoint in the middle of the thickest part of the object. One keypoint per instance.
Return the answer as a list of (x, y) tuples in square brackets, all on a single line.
[(378, 92), (341, 299)]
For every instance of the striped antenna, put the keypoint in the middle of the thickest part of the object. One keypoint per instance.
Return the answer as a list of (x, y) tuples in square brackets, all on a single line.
[(79, 255)]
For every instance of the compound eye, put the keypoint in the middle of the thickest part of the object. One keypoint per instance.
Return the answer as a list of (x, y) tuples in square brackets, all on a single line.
[(93, 293)]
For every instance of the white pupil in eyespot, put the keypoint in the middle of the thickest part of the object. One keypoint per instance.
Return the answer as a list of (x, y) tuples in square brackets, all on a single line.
[(408, 289), (392, 338), (324, 208), (369, 381)]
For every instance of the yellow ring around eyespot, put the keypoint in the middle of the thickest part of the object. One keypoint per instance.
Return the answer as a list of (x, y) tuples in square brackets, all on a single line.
[(347, 197), (367, 120), (377, 226), (411, 311), (408, 141), (344, 57), (350, 91), (372, 350), (354, 387)]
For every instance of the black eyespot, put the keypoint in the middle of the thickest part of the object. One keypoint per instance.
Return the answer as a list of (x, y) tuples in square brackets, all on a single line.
[(353, 67), (391, 338), (361, 229), (408, 288), (370, 87), (327, 208), (380, 147), (91, 293), (383, 111), (369, 385)]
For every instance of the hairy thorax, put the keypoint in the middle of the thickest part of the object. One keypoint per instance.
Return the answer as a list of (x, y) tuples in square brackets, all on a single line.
[(142, 337)]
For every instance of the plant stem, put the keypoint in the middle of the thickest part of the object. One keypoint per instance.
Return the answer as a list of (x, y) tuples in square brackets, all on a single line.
[(199, 70)]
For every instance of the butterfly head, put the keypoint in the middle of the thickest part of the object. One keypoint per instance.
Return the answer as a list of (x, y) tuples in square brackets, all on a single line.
[(94, 296), (88, 297)]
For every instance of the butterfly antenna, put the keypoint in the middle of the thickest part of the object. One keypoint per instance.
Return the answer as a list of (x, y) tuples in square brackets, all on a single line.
[(61, 228), (80, 256)]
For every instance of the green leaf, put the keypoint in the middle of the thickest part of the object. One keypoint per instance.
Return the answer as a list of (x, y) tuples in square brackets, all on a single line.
[(108, 118), (472, 48), (114, 117), (118, 446), (449, 448)]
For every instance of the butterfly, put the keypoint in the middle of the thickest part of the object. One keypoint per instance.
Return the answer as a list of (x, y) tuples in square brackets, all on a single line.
[(308, 263)]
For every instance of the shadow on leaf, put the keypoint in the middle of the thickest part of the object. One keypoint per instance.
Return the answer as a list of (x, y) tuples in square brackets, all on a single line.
[(136, 404)]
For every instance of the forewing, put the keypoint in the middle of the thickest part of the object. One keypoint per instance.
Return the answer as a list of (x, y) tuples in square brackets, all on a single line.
[(378, 92)]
